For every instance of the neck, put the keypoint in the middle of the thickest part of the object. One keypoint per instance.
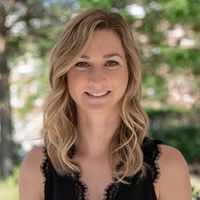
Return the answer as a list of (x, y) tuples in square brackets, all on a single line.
[(95, 131)]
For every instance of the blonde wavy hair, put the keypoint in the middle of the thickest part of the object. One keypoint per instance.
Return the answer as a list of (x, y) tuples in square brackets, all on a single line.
[(60, 117)]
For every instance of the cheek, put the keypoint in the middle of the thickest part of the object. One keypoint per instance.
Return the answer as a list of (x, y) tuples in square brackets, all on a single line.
[(120, 81), (71, 83), (123, 79), (75, 83), (124, 83)]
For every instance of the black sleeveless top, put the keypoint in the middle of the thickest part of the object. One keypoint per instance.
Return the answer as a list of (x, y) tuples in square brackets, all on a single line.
[(65, 187)]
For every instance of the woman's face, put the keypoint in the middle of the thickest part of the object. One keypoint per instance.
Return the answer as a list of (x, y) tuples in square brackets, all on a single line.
[(99, 77)]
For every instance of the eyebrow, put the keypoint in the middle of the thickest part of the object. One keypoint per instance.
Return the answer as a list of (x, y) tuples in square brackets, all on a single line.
[(105, 56)]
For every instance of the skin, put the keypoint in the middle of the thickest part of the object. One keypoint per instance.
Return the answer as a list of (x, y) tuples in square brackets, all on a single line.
[(102, 68), (98, 118)]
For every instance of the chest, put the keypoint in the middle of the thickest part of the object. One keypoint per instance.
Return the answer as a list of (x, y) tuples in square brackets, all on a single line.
[(136, 190), (96, 180), (95, 185)]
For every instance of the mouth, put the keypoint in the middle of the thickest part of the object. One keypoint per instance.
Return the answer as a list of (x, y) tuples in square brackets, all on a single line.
[(98, 94)]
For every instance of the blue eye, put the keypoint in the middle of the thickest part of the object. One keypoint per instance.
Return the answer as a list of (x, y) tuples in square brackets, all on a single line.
[(82, 64), (112, 63)]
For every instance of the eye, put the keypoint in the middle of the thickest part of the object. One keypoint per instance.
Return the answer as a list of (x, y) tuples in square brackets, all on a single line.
[(82, 65), (112, 63)]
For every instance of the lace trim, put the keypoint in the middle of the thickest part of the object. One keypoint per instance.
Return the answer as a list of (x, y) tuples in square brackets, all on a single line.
[(81, 189), (44, 167), (157, 152), (111, 191)]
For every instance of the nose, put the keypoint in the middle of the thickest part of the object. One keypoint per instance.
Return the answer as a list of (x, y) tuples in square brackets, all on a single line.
[(97, 76)]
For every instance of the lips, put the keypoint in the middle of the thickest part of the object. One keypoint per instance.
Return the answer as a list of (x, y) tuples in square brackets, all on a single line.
[(98, 94)]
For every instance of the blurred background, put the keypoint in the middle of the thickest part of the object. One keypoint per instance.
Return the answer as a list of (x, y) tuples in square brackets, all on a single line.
[(167, 34)]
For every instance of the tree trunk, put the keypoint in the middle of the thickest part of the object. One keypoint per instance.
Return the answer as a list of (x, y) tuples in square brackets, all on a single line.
[(5, 110), (5, 128)]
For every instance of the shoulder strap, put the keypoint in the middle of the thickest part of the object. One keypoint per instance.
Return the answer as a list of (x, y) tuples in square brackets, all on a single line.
[(152, 152)]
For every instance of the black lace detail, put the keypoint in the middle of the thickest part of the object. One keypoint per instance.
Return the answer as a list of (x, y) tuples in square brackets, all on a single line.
[(111, 191), (155, 165), (81, 189), (44, 167), (152, 153)]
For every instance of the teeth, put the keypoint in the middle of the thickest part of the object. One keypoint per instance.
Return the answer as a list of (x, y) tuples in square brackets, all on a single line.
[(95, 94)]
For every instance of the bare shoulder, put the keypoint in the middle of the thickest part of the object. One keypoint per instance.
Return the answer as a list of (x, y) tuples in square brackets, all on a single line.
[(30, 178), (174, 182), (171, 156)]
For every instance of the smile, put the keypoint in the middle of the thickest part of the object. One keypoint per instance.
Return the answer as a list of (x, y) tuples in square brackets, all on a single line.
[(98, 94)]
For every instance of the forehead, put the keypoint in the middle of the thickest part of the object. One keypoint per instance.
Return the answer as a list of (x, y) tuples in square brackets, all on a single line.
[(104, 41)]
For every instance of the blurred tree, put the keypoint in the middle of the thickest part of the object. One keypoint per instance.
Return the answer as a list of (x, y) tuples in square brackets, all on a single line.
[(5, 110), (24, 26)]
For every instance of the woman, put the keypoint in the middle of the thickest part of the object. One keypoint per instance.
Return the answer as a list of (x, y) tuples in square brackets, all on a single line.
[(95, 131)]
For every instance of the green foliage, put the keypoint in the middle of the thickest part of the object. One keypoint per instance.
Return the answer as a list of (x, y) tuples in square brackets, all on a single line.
[(164, 112), (157, 85), (183, 12), (9, 187), (43, 47), (195, 194), (178, 57), (104, 4), (31, 2), (149, 27), (185, 138), (177, 127), (174, 12), (29, 104)]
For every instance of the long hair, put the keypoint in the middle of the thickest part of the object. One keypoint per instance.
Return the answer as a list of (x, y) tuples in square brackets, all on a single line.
[(60, 116)]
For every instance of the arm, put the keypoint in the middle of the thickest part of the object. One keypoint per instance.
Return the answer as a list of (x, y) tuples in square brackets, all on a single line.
[(174, 181), (31, 180)]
